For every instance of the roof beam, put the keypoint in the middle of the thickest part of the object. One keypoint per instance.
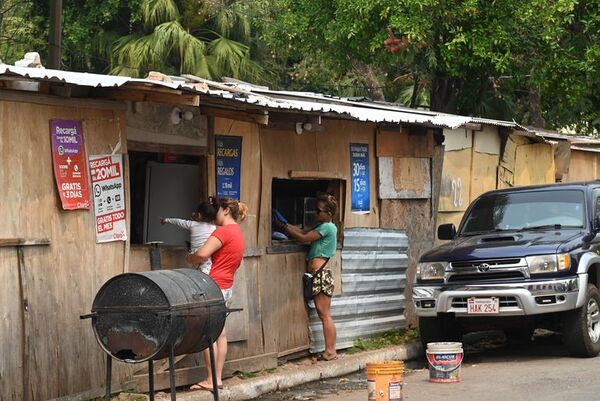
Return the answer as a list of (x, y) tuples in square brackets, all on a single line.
[(261, 118), (152, 96)]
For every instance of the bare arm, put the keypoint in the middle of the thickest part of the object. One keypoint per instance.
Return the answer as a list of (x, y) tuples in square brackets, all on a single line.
[(305, 236), (187, 224), (211, 246)]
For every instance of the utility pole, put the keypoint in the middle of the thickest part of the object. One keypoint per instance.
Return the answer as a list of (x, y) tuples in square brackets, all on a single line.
[(55, 35)]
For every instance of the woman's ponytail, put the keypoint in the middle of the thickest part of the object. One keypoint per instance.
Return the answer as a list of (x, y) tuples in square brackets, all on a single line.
[(242, 211)]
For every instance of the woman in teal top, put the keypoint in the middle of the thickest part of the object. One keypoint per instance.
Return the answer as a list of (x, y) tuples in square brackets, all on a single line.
[(323, 242)]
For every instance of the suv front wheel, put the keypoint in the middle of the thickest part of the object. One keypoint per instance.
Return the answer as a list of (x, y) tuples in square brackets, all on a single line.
[(581, 327)]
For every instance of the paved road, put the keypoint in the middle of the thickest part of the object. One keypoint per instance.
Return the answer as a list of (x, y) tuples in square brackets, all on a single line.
[(492, 371)]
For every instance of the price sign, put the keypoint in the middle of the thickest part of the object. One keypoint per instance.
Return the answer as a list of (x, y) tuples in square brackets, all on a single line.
[(68, 156), (228, 164), (360, 177), (109, 197)]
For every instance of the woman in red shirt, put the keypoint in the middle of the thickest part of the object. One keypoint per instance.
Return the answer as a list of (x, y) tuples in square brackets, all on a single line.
[(226, 248)]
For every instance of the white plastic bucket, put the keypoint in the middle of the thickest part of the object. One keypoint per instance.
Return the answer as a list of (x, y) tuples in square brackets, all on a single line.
[(444, 362)]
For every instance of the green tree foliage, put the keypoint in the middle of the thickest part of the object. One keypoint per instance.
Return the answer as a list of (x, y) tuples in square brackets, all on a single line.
[(19, 33), (536, 61), (209, 39)]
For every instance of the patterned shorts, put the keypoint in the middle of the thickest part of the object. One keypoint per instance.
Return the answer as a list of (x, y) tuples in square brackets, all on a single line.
[(323, 283)]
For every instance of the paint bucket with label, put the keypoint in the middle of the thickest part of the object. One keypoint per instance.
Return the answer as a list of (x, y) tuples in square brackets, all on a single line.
[(384, 380), (444, 362)]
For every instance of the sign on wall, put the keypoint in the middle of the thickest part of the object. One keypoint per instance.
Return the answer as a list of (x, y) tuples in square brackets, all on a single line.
[(68, 157), (109, 197), (359, 168), (228, 164)]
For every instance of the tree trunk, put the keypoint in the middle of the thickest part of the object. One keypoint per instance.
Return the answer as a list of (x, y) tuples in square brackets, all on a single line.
[(535, 110), (444, 93), (373, 84)]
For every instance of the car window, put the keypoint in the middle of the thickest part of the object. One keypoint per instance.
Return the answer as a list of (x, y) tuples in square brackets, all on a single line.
[(522, 210)]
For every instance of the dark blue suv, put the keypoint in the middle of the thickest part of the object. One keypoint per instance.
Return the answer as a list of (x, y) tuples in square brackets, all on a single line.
[(522, 258)]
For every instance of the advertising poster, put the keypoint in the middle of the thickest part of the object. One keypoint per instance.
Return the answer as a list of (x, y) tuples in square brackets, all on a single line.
[(359, 167), (109, 197), (68, 159), (228, 163)]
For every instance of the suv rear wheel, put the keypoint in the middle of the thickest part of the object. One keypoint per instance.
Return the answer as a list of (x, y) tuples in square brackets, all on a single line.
[(581, 327), (439, 329)]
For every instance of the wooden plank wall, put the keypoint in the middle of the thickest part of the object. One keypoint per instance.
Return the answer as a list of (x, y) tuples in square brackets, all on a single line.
[(470, 169), (62, 279), (583, 166), (282, 151), (534, 164), (246, 289)]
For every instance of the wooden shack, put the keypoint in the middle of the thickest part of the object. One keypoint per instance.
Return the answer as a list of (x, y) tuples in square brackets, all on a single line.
[(289, 147)]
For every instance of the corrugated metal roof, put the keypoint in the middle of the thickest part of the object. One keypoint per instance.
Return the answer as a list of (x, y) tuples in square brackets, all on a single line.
[(376, 112)]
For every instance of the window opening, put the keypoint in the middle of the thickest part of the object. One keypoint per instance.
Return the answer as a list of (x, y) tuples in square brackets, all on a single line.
[(295, 199), (162, 185)]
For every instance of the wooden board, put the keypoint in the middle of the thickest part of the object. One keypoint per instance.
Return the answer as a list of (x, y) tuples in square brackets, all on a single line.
[(510, 153), (484, 174), (284, 317), (456, 181), (583, 166), (404, 178), (457, 139), (562, 159), (487, 140), (237, 322), (534, 164), (403, 143), (11, 325)]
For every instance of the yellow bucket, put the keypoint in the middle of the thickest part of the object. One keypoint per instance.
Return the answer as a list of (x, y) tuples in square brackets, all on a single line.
[(384, 380)]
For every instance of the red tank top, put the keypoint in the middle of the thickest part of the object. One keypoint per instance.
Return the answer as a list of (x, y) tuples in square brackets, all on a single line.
[(228, 258)]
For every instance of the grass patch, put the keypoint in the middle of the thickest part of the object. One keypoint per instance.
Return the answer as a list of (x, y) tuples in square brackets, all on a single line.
[(386, 339)]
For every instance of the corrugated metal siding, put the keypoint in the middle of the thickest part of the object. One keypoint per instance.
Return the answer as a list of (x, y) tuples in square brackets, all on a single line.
[(374, 263)]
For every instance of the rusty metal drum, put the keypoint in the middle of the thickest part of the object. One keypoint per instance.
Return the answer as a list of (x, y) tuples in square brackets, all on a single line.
[(138, 317)]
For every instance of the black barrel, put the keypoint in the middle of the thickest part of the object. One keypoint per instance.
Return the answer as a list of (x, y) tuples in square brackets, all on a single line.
[(138, 316)]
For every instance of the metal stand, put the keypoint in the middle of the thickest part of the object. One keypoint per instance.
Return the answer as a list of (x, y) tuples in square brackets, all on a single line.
[(108, 377), (211, 352), (172, 372), (151, 380)]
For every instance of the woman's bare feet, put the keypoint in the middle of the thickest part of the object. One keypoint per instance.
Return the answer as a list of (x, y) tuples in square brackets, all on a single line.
[(205, 385)]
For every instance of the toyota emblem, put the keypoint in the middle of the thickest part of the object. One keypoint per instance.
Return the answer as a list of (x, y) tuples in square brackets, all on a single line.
[(483, 268)]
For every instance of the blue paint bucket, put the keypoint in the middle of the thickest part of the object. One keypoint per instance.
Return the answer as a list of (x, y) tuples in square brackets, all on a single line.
[(445, 360)]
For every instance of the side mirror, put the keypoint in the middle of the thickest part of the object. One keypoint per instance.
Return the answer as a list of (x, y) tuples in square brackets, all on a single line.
[(446, 231), (594, 231)]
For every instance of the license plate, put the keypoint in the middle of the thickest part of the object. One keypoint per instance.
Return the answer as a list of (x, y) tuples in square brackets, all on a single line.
[(483, 306)]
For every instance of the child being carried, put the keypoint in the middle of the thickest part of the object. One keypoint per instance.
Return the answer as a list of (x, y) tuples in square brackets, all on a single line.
[(201, 227)]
